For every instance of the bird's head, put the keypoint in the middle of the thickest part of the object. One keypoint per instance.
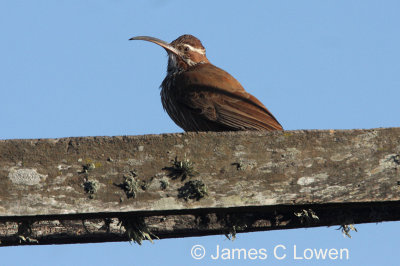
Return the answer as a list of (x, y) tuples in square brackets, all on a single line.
[(184, 52)]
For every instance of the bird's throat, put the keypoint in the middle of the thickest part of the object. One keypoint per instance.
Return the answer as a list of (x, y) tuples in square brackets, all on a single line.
[(175, 64)]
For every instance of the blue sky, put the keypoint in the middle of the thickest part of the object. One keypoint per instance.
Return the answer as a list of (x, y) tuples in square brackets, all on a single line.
[(68, 69)]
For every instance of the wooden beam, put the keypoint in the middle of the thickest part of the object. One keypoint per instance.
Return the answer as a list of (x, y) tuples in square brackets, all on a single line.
[(77, 190)]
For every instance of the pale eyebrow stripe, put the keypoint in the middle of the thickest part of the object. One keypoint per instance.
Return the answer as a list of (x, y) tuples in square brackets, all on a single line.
[(197, 50)]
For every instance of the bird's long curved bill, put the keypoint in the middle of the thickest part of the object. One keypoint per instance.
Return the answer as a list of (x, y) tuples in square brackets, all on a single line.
[(162, 43)]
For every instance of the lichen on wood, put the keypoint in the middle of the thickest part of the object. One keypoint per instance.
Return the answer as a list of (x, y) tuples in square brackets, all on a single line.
[(343, 176)]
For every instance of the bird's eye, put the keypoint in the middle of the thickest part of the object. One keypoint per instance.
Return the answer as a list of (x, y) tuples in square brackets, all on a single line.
[(186, 49)]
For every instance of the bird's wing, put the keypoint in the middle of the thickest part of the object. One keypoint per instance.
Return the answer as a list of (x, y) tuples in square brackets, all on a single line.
[(216, 96)]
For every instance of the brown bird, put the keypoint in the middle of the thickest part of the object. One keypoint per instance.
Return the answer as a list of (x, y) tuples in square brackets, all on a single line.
[(199, 96)]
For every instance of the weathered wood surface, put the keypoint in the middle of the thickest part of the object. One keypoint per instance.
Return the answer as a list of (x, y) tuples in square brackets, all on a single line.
[(354, 172)]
